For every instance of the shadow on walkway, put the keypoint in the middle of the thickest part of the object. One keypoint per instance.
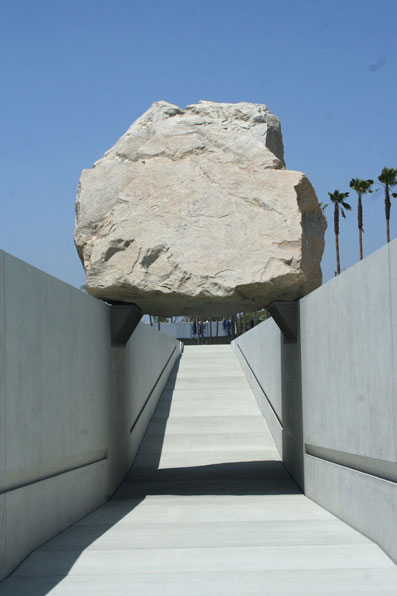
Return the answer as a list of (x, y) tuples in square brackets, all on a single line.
[(236, 478)]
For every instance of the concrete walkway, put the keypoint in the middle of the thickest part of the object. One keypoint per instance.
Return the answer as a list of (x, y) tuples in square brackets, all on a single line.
[(207, 509)]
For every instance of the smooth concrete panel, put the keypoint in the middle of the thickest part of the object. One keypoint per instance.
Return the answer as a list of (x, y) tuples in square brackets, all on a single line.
[(201, 458), (149, 352), (2, 369), (347, 359), (141, 425), (2, 412), (3, 536), (232, 395), (39, 511), (58, 373), (343, 370), (261, 347), (152, 357), (221, 382), (208, 424), (207, 508), (194, 560), (205, 534), (259, 354), (291, 400), (67, 397), (185, 443), (214, 403), (117, 412), (131, 391), (273, 370), (302, 582), (367, 503), (349, 336), (220, 513), (393, 300)]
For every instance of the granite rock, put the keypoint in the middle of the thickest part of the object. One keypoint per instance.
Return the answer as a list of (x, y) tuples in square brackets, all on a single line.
[(192, 211)]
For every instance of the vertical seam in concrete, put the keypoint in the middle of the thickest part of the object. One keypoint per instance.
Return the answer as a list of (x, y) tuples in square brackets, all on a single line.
[(392, 349), (128, 374), (4, 401)]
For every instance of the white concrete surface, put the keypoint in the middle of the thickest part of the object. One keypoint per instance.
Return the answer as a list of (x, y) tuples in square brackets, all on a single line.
[(201, 513), (259, 353), (67, 403), (273, 370), (338, 392), (349, 364)]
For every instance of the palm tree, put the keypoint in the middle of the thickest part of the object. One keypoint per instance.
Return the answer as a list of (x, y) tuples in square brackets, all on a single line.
[(388, 178), (361, 187), (338, 199)]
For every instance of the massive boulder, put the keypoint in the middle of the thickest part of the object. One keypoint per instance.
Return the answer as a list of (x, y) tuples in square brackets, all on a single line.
[(193, 212)]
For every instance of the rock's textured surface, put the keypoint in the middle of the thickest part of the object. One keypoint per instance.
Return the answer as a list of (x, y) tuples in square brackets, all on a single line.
[(192, 211)]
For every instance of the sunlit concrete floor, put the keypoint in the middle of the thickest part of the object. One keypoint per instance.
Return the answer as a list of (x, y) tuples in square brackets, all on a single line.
[(207, 509)]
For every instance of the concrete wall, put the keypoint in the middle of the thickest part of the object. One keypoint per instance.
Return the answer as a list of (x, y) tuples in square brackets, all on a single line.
[(349, 367), (346, 433), (260, 345), (71, 416), (272, 367)]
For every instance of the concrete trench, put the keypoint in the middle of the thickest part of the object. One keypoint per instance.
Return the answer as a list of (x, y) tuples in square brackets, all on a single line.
[(208, 508)]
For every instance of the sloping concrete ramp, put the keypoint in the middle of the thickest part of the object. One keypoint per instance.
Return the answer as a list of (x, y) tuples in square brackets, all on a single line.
[(207, 509)]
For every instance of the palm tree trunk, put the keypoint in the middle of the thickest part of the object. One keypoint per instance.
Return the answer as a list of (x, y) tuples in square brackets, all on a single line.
[(198, 331), (336, 230), (151, 320), (387, 212), (217, 328), (337, 254), (210, 320), (245, 322), (360, 225), (361, 244), (158, 323)]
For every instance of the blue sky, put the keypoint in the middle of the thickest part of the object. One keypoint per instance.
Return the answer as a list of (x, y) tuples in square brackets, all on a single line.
[(76, 74)]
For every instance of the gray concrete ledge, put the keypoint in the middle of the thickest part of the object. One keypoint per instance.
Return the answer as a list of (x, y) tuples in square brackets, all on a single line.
[(12, 479), (387, 470)]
